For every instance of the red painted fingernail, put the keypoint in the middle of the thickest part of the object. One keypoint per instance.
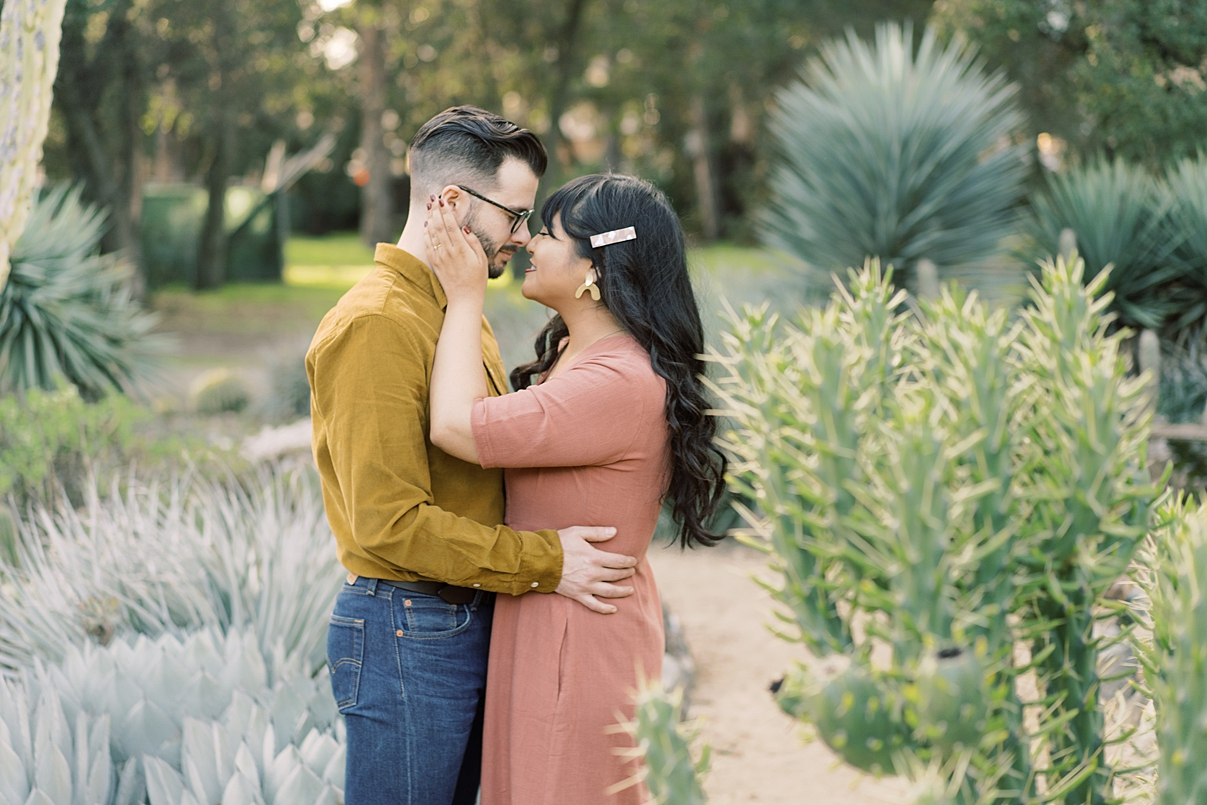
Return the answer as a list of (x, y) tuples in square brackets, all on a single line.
[(466, 228), (425, 222), (441, 202), (431, 198)]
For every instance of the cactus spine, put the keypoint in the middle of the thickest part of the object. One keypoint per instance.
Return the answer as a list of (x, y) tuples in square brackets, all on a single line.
[(30, 31)]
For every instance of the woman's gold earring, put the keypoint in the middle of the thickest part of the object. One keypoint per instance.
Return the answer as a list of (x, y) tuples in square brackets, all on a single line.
[(588, 286)]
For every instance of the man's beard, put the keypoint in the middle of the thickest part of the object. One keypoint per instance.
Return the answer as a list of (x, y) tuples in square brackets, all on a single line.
[(494, 265)]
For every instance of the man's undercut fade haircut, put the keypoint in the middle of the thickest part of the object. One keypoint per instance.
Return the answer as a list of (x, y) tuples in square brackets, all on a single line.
[(467, 145)]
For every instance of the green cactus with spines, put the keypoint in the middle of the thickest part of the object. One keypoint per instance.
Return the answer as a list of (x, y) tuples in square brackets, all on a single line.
[(955, 483), (1174, 658), (30, 31), (663, 745)]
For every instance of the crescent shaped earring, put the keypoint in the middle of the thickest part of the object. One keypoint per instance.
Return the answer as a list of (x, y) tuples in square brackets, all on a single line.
[(588, 286)]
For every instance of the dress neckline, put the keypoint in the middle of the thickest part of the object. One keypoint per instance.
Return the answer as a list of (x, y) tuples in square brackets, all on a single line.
[(578, 358)]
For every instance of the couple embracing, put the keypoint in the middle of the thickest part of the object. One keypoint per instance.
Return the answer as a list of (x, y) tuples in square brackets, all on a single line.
[(485, 638)]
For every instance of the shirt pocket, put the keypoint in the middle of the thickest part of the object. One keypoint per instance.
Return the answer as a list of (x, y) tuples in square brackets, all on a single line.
[(345, 656)]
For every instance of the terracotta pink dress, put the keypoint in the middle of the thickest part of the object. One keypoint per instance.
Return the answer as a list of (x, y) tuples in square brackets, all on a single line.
[(588, 447)]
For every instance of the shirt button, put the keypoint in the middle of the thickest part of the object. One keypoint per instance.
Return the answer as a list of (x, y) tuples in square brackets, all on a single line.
[(477, 585), (536, 584)]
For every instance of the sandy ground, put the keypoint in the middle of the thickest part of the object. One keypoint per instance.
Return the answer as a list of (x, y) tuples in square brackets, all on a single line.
[(759, 754)]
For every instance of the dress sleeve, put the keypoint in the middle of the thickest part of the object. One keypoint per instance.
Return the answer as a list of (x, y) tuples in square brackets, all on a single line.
[(587, 416)]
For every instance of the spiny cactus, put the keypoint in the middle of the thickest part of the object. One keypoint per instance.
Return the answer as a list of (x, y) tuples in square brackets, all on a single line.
[(946, 486), (1175, 659), (663, 748), (30, 31)]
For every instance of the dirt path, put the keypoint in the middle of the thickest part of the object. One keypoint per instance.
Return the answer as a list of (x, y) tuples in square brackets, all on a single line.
[(758, 753)]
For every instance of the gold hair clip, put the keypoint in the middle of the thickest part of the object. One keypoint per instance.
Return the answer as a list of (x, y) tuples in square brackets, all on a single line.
[(615, 236)]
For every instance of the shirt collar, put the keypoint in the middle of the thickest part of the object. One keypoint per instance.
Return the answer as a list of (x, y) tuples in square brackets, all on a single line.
[(412, 269)]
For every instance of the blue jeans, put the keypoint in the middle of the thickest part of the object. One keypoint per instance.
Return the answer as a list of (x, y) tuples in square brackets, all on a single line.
[(409, 674)]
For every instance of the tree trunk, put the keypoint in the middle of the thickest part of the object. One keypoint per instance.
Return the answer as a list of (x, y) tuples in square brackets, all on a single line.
[(706, 196), (110, 178), (377, 201), (565, 69), (212, 245), (126, 208)]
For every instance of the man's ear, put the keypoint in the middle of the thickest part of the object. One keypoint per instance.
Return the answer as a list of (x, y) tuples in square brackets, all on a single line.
[(451, 195)]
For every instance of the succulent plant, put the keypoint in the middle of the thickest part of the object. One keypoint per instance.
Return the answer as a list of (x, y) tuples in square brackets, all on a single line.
[(942, 486), (184, 554), (1175, 659), (198, 720), (894, 149), (48, 758), (663, 747)]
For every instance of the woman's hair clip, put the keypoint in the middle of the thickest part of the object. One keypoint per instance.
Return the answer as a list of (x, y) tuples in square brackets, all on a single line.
[(615, 236)]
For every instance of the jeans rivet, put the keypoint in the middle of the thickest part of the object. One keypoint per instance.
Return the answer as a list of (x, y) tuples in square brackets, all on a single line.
[(398, 633), (407, 603)]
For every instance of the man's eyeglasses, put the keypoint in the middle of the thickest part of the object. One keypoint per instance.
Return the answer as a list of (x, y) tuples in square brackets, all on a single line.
[(520, 216)]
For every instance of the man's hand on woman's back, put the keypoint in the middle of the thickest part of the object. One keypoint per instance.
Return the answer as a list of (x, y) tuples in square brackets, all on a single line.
[(588, 573)]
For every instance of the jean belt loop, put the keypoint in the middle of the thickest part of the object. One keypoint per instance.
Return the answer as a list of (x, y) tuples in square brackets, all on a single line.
[(371, 585)]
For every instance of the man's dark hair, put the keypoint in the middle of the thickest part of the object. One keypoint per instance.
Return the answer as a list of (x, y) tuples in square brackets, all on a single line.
[(466, 144)]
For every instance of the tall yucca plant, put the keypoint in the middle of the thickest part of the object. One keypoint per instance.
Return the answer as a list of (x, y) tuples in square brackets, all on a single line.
[(1118, 213), (67, 310), (884, 153), (1187, 229)]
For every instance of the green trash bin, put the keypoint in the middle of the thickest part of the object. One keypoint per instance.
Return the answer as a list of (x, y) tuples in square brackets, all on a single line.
[(172, 216)]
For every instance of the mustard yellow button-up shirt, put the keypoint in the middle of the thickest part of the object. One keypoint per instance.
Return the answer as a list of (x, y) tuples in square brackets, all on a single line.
[(400, 507)]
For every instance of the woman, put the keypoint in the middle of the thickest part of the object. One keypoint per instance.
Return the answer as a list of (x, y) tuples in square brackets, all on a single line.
[(606, 423)]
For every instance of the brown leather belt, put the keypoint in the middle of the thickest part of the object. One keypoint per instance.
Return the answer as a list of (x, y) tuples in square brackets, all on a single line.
[(454, 595)]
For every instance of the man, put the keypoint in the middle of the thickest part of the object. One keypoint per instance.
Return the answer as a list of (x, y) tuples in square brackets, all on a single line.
[(419, 531)]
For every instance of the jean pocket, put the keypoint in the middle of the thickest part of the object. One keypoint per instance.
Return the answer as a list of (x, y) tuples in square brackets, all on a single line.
[(430, 618), (345, 654)]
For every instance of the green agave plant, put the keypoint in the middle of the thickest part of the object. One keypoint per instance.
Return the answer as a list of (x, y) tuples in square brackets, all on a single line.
[(1119, 214), (183, 554), (48, 759), (1186, 186), (896, 153), (197, 721), (67, 310)]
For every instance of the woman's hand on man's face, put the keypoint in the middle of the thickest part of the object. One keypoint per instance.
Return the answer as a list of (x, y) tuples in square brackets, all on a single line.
[(454, 253)]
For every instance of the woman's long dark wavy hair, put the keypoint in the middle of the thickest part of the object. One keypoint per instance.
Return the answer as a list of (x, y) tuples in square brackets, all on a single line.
[(644, 284)]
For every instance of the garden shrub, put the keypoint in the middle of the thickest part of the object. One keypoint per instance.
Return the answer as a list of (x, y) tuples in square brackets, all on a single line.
[(219, 391), (1119, 214)]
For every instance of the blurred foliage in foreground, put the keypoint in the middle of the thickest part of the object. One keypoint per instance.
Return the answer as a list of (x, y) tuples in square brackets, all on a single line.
[(905, 465)]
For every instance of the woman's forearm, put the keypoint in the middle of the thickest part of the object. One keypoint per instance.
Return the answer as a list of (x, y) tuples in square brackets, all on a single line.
[(458, 379)]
